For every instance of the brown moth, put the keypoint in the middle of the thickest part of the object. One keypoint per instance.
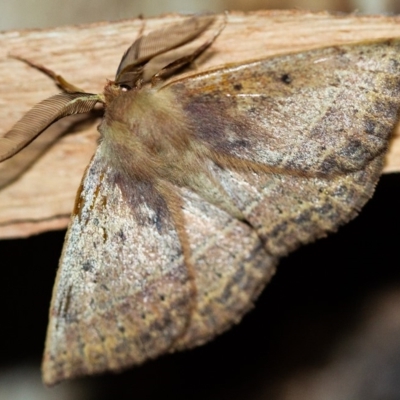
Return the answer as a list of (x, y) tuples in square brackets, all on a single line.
[(200, 184)]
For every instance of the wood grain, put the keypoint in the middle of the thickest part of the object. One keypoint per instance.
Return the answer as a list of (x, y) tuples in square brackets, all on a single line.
[(41, 199)]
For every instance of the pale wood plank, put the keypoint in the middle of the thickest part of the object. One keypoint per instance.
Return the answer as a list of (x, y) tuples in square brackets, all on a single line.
[(86, 55)]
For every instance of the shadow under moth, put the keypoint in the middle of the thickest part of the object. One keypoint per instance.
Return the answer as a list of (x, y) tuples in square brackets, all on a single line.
[(200, 184)]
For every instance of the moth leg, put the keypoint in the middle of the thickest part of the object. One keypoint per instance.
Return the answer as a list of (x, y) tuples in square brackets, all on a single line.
[(58, 79), (185, 60)]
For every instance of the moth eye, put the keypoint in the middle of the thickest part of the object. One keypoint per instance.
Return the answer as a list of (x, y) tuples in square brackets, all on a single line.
[(125, 88)]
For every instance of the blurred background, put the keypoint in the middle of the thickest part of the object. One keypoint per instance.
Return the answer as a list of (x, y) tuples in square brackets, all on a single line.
[(326, 328), (19, 14)]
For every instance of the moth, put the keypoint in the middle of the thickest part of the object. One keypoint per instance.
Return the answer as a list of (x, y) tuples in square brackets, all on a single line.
[(200, 184)]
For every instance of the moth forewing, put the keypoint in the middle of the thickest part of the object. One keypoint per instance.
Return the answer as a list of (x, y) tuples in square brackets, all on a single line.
[(124, 295), (313, 134)]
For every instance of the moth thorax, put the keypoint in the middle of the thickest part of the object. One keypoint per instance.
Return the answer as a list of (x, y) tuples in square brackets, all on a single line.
[(145, 134)]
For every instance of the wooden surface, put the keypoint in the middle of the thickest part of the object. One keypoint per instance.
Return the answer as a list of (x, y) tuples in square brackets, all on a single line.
[(42, 197)]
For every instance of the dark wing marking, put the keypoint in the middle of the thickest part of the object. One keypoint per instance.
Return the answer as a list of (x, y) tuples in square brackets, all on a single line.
[(325, 111)]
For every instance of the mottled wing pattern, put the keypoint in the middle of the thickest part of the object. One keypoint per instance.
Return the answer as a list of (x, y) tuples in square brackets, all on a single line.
[(123, 293), (323, 112), (288, 210), (230, 267), (298, 141)]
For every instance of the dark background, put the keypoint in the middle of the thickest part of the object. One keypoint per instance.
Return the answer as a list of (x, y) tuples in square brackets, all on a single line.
[(315, 317)]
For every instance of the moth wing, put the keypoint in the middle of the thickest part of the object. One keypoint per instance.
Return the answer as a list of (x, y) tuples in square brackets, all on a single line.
[(288, 211), (323, 112), (297, 141), (41, 116), (123, 293), (229, 264)]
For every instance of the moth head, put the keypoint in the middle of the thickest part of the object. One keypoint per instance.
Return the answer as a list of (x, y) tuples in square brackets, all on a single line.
[(129, 77), (113, 89)]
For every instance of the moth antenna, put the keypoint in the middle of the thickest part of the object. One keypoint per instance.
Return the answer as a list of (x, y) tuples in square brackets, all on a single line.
[(58, 79), (158, 42), (188, 59), (143, 26), (41, 116)]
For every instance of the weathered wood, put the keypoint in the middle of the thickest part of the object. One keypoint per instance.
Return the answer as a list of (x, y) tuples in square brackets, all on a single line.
[(41, 199)]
